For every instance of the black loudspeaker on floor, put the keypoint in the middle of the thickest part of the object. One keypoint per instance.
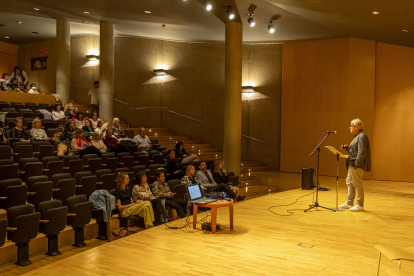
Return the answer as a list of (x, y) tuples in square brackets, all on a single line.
[(307, 178)]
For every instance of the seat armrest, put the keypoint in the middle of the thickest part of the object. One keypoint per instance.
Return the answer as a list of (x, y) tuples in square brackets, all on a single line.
[(44, 221), (31, 193), (11, 228), (71, 214)]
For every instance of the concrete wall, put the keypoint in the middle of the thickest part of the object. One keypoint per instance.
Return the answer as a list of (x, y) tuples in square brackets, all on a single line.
[(44, 79), (9, 57), (194, 88)]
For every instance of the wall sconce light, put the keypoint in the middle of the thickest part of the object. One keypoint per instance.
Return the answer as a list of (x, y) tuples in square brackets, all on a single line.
[(92, 57), (248, 89), (160, 72)]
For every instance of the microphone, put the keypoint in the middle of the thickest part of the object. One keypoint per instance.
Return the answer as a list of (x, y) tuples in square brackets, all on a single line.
[(333, 132)]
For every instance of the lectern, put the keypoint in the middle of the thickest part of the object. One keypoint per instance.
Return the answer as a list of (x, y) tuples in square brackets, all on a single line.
[(338, 154)]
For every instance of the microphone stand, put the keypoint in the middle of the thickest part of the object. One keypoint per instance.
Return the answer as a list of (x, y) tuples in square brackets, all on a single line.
[(316, 204)]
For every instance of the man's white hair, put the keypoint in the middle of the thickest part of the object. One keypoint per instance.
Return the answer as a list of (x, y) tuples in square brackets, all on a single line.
[(357, 122)]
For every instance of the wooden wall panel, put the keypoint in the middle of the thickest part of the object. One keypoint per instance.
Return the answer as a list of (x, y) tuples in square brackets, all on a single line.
[(8, 57), (394, 113), (325, 84)]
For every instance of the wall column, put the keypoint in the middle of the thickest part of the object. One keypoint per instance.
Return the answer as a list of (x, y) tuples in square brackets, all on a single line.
[(106, 72), (233, 97), (63, 60)]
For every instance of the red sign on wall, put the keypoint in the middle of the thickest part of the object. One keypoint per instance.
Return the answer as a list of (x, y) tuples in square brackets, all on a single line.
[(43, 52)]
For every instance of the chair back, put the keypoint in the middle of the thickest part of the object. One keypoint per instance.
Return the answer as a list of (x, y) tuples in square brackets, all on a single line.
[(9, 171), (99, 173), (24, 161), (83, 210), (23, 151), (45, 150), (121, 170), (5, 152), (80, 175), (140, 168), (8, 183), (158, 159), (143, 160), (94, 164), (58, 177), (35, 179), (109, 182), (54, 167), (88, 185), (86, 157), (68, 158), (67, 188), (45, 160), (128, 162), (32, 169), (55, 213), (43, 192), (16, 195), (75, 166), (111, 164), (3, 231), (107, 155), (25, 220)]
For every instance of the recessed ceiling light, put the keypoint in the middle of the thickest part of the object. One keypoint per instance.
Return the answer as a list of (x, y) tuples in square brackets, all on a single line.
[(35, 33), (405, 31), (36, 9), (375, 12), (6, 37), (20, 22), (147, 12), (86, 12)]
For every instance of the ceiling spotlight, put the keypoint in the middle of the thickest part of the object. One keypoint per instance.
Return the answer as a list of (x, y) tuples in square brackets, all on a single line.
[(19, 22), (230, 13), (147, 12), (375, 12), (251, 20), (405, 31), (271, 27), (6, 37), (86, 12), (208, 5), (36, 9), (248, 89)]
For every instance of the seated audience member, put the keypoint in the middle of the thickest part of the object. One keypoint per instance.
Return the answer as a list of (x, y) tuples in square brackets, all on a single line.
[(3, 139), (190, 177), (125, 204), (17, 133), (182, 155), (94, 120), (113, 144), (117, 130), (80, 145), (143, 141), (205, 178), (14, 85), (220, 176), (161, 189), (70, 112), (69, 131), (57, 112), (88, 130), (97, 142), (3, 86), (33, 89), (37, 133), (20, 75), (143, 192), (101, 131), (6, 77), (20, 88), (173, 166), (79, 120)]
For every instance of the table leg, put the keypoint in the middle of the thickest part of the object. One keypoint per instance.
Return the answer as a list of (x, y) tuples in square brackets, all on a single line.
[(195, 209), (231, 216), (213, 219)]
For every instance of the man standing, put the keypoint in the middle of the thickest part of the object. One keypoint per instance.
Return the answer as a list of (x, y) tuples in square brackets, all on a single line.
[(358, 162), (143, 141), (94, 97)]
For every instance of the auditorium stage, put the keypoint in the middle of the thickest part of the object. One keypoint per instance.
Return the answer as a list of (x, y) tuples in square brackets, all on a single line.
[(314, 243)]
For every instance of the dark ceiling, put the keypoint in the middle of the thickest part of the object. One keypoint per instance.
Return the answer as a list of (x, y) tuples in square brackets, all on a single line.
[(189, 21)]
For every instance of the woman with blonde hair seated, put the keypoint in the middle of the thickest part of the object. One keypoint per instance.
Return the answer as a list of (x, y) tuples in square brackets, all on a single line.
[(37, 133), (70, 112), (80, 145), (220, 176), (98, 143), (127, 207)]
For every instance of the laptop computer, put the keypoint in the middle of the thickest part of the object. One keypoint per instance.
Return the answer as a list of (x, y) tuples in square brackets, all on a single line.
[(196, 196)]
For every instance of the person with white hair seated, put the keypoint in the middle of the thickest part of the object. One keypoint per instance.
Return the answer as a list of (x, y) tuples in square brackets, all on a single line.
[(358, 162), (117, 130), (142, 140)]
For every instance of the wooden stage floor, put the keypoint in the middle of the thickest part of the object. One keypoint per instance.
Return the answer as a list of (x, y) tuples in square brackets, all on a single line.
[(319, 242)]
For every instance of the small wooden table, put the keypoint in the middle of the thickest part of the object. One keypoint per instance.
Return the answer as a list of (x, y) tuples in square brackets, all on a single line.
[(213, 206)]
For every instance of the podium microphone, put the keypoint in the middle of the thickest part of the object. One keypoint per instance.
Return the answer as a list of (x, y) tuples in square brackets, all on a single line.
[(333, 132)]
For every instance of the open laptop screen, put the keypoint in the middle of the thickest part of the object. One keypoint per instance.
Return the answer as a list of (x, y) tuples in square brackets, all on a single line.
[(194, 192)]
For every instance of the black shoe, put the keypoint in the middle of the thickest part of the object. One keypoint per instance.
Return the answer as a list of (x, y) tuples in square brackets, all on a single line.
[(240, 198)]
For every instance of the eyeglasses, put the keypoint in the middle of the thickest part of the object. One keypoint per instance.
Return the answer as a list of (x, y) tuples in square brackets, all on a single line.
[(354, 126)]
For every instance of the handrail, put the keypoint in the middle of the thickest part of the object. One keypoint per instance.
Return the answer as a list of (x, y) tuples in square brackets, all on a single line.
[(149, 107), (188, 117), (194, 119), (125, 103)]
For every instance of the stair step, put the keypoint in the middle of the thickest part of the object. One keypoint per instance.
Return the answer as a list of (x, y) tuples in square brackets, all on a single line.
[(170, 138), (196, 148), (169, 142), (254, 169)]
